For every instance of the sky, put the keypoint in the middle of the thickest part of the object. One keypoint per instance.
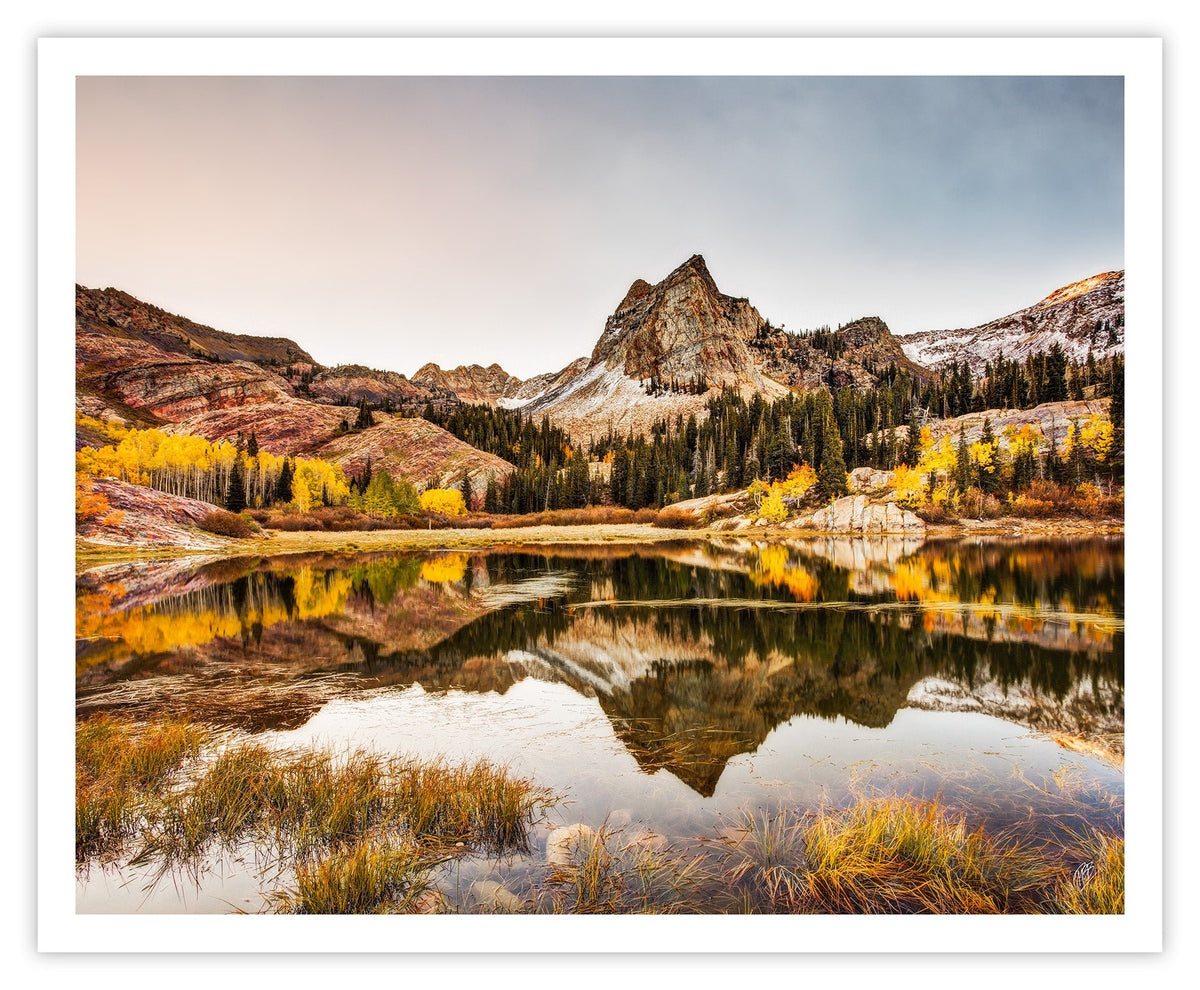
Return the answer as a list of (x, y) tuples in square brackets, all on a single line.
[(394, 221)]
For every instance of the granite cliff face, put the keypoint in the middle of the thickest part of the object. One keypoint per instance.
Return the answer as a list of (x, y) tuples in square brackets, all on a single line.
[(682, 328), (1068, 317)]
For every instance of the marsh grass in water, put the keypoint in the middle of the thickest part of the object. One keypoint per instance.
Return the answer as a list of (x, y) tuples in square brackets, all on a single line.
[(366, 877), (900, 857), (877, 856), (355, 828), (359, 832), (305, 803), (610, 871), (120, 768)]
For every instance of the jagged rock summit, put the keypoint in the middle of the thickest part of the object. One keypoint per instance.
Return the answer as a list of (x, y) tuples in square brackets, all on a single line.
[(669, 344), (471, 382), (681, 329)]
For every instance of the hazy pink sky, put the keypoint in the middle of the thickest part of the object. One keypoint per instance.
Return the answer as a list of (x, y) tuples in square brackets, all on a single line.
[(394, 221)]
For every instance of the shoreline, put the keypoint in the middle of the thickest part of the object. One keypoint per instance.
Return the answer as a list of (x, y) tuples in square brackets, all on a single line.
[(275, 543)]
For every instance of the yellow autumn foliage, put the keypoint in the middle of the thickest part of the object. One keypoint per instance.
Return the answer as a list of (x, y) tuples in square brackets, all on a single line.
[(909, 486), (443, 502), (769, 498)]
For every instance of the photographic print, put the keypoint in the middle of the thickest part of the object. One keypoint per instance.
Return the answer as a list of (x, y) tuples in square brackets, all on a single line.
[(538, 493)]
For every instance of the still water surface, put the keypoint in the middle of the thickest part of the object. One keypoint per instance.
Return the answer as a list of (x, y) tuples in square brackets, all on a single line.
[(665, 688)]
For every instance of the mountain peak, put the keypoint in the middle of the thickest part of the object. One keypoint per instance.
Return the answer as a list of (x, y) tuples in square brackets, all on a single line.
[(694, 267)]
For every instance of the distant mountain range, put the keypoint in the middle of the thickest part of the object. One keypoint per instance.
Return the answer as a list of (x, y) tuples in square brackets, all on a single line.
[(663, 350)]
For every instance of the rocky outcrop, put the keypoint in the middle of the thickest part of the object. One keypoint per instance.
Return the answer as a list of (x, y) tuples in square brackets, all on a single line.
[(131, 355), (119, 316), (350, 384), (141, 516), (471, 383), (1068, 317), (868, 480), (855, 514), (175, 390), (288, 426)]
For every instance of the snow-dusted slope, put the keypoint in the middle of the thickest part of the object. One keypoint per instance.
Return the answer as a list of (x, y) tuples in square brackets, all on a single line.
[(1068, 316)]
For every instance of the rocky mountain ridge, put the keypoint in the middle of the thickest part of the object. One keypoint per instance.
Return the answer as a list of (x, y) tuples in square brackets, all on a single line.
[(471, 382), (1088, 315)]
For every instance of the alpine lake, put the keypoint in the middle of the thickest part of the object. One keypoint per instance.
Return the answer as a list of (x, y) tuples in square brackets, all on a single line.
[(663, 692)]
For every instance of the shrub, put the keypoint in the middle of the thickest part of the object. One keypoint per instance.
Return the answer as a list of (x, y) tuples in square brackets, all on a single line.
[(224, 523), (592, 515), (675, 519), (772, 509), (977, 504)]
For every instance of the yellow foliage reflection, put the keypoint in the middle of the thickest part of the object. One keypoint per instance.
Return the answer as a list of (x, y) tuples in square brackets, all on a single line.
[(776, 570), (449, 567)]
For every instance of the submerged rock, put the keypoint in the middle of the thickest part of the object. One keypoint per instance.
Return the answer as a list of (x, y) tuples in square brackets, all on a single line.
[(431, 902), (490, 896), (562, 843)]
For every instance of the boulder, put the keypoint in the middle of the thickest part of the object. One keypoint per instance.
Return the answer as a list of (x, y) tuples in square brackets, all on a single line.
[(866, 479), (855, 514)]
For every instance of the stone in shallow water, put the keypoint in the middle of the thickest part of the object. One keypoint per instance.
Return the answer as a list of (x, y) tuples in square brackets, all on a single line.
[(563, 842), (490, 896), (431, 902)]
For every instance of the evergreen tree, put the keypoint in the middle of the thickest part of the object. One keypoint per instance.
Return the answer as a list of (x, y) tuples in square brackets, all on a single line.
[(1056, 374), (912, 444), (832, 479), (962, 460), (252, 445), (464, 486), (235, 491), (1116, 413), (283, 485)]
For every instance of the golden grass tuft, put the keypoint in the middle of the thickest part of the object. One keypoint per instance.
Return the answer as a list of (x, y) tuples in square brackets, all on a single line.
[(367, 877), (1098, 886), (307, 803), (899, 856)]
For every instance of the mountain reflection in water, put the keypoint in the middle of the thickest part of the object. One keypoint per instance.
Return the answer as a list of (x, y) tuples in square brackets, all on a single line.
[(694, 654)]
